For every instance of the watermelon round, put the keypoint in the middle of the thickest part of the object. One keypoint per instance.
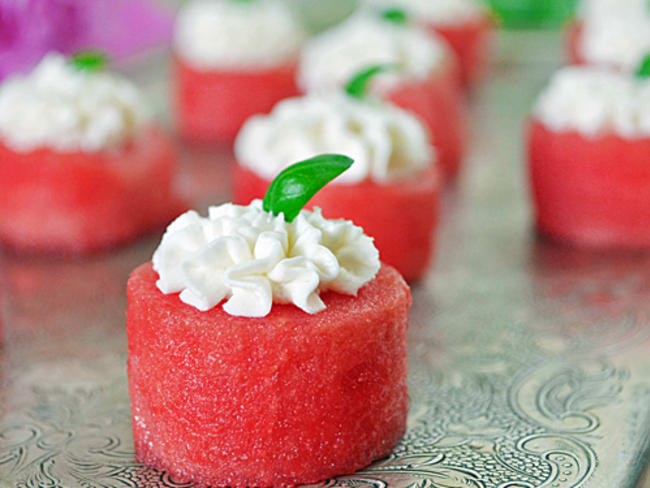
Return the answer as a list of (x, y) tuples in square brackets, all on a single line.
[(79, 202), (439, 103), (591, 191), (281, 400), (211, 106), (471, 41), (402, 216)]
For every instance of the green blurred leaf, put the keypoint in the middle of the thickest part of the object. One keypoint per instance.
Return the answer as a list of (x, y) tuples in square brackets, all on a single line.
[(644, 68), (90, 61), (395, 15), (357, 87)]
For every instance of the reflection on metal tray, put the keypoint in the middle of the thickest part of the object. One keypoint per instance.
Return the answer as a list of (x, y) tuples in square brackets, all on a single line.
[(529, 361)]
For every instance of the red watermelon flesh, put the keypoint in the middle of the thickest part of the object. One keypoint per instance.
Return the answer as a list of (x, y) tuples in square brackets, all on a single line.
[(402, 216), (286, 399), (71, 203), (591, 191), (471, 41), (211, 106), (439, 103)]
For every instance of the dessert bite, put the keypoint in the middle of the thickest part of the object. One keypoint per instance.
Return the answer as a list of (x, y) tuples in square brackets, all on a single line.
[(589, 141), (425, 84), (392, 191), (466, 25), (267, 344), (611, 33), (83, 164), (233, 59)]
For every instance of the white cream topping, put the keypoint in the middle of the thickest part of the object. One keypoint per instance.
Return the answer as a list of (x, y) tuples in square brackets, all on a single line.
[(442, 12), (594, 101), (615, 32), (61, 107), (332, 58), (230, 34), (254, 259), (386, 142)]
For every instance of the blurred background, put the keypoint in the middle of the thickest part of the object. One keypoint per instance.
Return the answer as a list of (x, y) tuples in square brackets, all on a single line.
[(30, 28)]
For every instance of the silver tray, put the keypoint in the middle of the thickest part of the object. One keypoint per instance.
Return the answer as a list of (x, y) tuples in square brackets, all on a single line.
[(529, 361)]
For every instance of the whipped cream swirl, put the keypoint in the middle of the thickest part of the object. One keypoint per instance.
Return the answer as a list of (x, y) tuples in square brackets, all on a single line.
[(226, 34), (594, 101), (254, 259), (615, 32), (386, 142), (439, 12), (329, 60), (61, 107)]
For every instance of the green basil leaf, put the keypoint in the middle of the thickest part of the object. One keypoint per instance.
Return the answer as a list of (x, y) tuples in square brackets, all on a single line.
[(395, 15), (90, 61), (644, 69), (357, 87), (290, 191)]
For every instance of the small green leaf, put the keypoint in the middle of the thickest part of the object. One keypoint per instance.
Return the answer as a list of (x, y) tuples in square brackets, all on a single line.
[(91, 61), (644, 69), (290, 191), (395, 15), (357, 87)]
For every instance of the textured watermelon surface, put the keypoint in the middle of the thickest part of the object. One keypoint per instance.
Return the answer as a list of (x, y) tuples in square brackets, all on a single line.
[(401, 216), (211, 106), (591, 191), (472, 43), (281, 400), (72, 203), (439, 103)]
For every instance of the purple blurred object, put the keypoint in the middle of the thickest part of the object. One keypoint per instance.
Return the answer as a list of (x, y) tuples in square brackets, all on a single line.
[(31, 28)]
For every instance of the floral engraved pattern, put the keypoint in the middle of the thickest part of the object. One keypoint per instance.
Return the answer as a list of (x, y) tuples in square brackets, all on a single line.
[(74, 439), (528, 361), (530, 434), (503, 406), (465, 431)]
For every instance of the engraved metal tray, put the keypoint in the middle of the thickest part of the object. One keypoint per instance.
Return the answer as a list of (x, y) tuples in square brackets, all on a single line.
[(530, 362)]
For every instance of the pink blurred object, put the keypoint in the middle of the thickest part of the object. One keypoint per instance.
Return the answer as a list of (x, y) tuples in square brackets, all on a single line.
[(31, 28)]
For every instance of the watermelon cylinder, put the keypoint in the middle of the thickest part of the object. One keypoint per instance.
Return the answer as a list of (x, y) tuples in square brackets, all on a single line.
[(281, 400), (590, 192), (68, 203), (212, 105)]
